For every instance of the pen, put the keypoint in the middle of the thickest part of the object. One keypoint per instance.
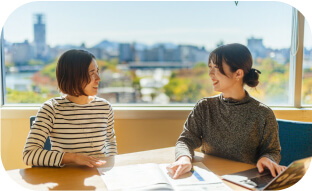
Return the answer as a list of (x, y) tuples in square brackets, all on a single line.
[(197, 175)]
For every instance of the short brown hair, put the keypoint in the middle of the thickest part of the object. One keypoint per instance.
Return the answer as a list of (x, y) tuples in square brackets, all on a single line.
[(72, 71)]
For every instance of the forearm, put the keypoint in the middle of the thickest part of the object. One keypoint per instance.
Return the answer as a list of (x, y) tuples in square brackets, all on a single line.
[(68, 158), (191, 137), (110, 142), (111, 147), (182, 149), (36, 156), (270, 146), (187, 143)]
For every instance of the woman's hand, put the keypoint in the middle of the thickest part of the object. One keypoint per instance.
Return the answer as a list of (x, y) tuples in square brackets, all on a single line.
[(82, 160), (181, 166), (265, 162)]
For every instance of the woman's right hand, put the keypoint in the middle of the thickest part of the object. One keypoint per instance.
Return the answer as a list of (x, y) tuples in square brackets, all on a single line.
[(181, 166), (80, 159)]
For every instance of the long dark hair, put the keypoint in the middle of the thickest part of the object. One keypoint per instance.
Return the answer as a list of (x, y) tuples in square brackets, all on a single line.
[(237, 56)]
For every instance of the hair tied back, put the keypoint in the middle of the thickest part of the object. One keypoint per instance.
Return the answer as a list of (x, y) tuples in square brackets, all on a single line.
[(253, 70)]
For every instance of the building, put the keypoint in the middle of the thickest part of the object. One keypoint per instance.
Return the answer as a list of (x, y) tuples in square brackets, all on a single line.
[(155, 54), (256, 47), (126, 53), (21, 53), (193, 54), (40, 47)]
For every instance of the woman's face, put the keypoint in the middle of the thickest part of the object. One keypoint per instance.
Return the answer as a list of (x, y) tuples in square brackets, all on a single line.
[(91, 89), (222, 83)]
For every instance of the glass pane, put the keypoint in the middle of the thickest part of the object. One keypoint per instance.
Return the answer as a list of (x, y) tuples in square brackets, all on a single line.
[(148, 52), (307, 66)]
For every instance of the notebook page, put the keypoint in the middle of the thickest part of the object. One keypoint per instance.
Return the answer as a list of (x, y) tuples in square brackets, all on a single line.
[(201, 178), (133, 176)]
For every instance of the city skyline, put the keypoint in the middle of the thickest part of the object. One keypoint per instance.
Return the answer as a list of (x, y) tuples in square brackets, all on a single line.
[(22, 53), (147, 27)]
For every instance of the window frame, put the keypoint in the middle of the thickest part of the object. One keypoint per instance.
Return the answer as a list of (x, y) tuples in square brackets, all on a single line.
[(295, 79), (298, 66), (2, 69)]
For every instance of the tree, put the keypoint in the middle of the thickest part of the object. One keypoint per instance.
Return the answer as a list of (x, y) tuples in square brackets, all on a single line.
[(189, 85), (274, 82), (14, 96)]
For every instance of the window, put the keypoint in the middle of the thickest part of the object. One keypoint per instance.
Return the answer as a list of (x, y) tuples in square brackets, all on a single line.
[(307, 66), (148, 52)]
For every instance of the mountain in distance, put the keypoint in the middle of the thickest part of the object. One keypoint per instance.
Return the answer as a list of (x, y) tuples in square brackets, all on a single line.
[(167, 45), (107, 45), (112, 46), (67, 46), (140, 46)]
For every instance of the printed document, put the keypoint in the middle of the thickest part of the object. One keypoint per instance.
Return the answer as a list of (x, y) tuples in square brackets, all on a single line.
[(151, 176)]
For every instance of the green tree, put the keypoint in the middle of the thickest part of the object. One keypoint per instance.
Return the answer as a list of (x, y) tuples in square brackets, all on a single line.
[(35, 62), (49, 70), (307, 86), (189, 85), (14, 96), (274, 81)]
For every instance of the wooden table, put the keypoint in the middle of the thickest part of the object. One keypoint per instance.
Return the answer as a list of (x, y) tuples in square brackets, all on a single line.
[(72, 177)]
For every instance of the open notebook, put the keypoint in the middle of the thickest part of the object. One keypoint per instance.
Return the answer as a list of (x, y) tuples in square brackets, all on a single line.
[(151, 176)]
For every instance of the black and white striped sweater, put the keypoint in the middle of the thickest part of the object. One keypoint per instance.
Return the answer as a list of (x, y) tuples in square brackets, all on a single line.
[(86, 129)]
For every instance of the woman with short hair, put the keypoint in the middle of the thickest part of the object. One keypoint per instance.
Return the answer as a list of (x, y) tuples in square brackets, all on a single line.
[(80, 124)]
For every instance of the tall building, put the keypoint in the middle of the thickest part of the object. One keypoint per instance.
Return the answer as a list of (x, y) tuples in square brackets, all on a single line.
[(256, 47), (126, 52), (40, 36)]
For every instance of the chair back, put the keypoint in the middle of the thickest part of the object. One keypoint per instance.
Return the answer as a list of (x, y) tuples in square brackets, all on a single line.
[(295, 139), (47, 144)]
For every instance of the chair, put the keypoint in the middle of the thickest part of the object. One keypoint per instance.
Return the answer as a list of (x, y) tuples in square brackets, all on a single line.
[(295, 139), (47, 144)]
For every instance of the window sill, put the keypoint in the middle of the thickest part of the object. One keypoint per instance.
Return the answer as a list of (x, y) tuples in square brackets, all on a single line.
[(120, 112), (155, 112)]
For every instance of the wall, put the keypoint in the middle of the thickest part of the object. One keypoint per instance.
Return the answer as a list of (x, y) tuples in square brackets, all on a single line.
[(132, 135), (148, 130)]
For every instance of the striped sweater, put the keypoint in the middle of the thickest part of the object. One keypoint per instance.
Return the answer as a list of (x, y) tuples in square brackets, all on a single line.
[(86, 129)]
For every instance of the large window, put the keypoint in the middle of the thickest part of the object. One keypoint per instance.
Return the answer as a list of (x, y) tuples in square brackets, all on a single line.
[(148, 52), (307, 66)]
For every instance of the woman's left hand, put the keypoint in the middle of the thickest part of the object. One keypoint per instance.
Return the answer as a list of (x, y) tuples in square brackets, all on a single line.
[(265, 162)]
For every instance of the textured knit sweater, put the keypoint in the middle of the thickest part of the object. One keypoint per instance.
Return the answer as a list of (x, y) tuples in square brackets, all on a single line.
[(243, 130), (86, 129)]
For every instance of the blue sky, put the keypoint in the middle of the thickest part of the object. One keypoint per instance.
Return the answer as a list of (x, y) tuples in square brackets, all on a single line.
[(197, 23)]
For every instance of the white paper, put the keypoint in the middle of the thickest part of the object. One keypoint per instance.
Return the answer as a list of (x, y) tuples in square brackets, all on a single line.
[(207, 181), (155, 176), (189, 178), (132, 176)]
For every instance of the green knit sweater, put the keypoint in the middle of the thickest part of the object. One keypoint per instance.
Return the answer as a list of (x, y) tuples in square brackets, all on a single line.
[(243, 130)]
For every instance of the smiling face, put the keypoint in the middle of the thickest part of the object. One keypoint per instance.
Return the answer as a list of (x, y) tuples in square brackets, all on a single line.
[(91, 89), (224, 83)]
